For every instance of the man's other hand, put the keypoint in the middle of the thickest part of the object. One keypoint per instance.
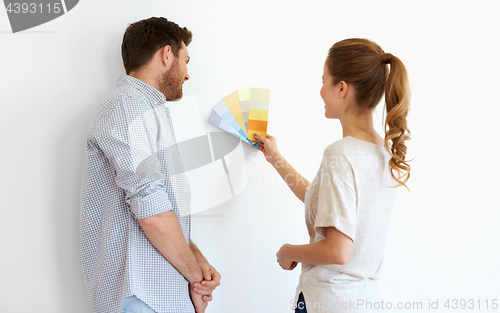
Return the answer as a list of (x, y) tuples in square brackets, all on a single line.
[(211, 280)]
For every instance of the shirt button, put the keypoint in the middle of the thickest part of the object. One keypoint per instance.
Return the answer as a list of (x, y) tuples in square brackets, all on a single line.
[(156, 102)]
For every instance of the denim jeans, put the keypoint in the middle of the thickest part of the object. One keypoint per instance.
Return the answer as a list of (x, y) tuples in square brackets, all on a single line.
[(132, 304), (301, 304)]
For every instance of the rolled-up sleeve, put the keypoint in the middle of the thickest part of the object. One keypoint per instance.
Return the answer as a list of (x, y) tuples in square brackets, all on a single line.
[(127, 135)]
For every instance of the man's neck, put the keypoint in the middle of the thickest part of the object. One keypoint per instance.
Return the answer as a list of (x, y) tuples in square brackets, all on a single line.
[(145, 77)]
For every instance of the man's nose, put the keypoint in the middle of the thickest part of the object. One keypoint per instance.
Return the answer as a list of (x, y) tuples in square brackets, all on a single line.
[(187, 77)]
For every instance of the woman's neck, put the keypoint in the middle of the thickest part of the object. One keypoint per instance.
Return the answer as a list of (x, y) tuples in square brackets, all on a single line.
[(361, 127)]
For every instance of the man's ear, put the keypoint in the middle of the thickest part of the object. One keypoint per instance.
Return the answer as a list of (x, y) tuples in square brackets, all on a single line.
[(166, 55)]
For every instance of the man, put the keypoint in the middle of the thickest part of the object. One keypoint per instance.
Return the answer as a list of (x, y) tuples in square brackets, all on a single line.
[(135, 220)]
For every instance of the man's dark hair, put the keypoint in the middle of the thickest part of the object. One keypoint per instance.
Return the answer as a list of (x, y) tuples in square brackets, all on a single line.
[(143, 38)]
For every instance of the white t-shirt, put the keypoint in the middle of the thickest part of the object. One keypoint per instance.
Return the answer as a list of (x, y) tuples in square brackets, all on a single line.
[(351, 193)]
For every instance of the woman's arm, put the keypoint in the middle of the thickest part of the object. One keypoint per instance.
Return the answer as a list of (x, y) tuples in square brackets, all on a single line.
[(296, 182), (335, 249)]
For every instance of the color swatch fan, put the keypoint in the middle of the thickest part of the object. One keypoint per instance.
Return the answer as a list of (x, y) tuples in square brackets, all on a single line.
[(243, 113)]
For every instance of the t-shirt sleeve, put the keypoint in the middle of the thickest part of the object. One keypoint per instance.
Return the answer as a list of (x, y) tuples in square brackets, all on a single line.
[(337, 195)]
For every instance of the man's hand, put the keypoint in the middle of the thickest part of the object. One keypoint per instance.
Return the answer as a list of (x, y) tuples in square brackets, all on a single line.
[(283, 260), (199, 304), (211, 279)]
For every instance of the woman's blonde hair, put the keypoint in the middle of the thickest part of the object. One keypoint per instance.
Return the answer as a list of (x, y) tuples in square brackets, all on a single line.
[(363, 64)]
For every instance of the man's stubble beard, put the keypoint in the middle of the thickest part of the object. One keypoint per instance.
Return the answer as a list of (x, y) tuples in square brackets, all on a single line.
[(171, 83)]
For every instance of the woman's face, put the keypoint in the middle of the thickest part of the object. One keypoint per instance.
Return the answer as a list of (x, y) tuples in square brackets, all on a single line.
[(330, 95)]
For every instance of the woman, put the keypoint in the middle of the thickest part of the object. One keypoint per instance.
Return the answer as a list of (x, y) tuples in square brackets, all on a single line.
[(348, 204)]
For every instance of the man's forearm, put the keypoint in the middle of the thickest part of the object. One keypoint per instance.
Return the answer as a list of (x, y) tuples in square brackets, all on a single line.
[(197, 253), (165, 234)]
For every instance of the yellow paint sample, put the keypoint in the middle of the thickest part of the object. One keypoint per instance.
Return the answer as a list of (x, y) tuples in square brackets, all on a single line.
[(259, 132), (244, 95), (258, 93), (259, 115), (258, 112), (232, 102)]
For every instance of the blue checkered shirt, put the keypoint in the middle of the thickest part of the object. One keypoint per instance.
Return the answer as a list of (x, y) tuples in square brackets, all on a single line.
[(132, 170)]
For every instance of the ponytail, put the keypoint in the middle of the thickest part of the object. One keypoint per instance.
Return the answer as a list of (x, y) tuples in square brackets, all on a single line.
[(397, 101)]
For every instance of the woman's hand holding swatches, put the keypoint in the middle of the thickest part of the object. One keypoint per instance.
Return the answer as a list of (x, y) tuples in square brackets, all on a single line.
[(269, 147)]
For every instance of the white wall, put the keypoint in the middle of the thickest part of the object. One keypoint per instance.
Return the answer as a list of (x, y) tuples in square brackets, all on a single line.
[(444, 239)]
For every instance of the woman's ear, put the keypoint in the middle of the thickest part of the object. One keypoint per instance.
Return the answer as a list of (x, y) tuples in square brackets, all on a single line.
[(343, 87)]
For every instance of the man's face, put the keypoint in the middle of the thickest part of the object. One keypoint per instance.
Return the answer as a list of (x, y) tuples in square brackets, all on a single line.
[(171, 81)]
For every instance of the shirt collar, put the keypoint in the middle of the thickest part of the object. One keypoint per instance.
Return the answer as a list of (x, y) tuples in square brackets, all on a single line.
[(149, 91)]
